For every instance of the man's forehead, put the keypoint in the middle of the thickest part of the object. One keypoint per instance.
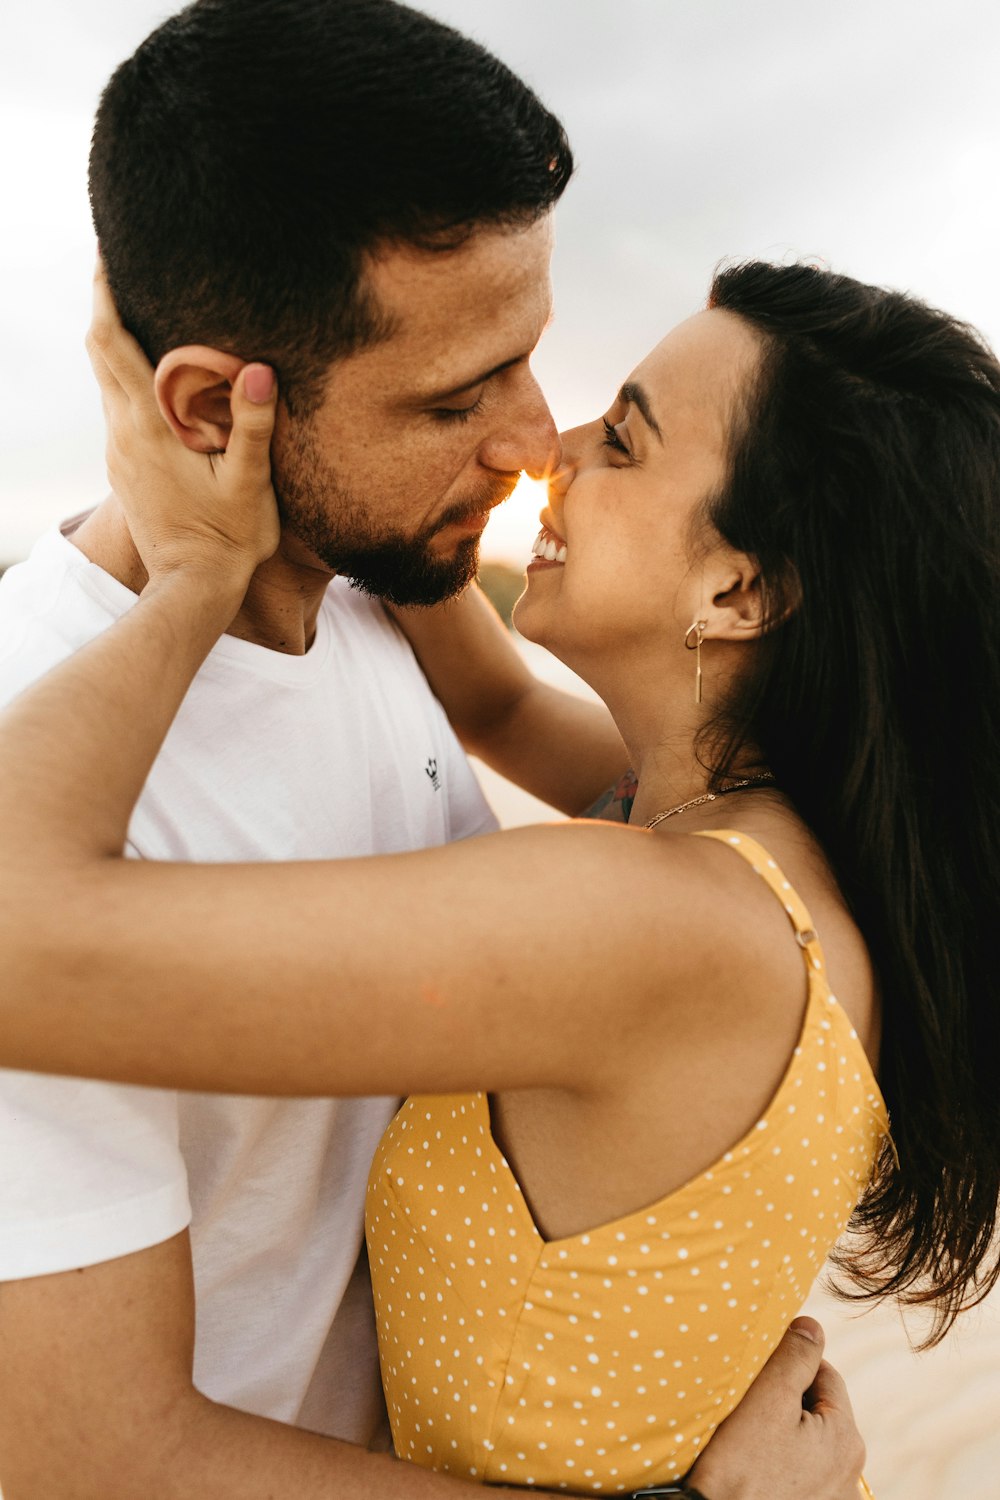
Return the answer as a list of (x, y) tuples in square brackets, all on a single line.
[(457, 315), (500, 258)]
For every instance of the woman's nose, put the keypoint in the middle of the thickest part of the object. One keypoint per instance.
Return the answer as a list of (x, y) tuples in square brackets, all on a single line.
[(562, 475)]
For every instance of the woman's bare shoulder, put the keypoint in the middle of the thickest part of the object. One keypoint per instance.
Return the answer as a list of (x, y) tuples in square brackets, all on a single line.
[(694, 913)]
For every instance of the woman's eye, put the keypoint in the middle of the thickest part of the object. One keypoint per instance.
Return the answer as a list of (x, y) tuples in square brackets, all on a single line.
[(457, 413), (612, 440)]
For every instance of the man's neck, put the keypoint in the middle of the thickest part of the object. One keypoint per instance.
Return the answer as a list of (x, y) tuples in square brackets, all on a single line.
[(281, 604)]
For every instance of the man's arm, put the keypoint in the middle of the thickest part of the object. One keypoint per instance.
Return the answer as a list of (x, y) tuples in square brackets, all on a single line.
[(97, 1403), (560, 748)]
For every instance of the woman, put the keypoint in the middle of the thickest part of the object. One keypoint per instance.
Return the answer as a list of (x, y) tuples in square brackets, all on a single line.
[(780, 573)]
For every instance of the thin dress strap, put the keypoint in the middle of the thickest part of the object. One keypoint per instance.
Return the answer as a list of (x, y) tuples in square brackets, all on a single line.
[(763, 865), (767, 868)]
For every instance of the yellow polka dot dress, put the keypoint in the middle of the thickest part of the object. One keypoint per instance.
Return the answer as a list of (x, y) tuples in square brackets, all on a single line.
[(604, 1361)]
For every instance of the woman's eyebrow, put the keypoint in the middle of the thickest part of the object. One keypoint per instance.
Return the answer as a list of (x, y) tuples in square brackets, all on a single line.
[(633, 394)]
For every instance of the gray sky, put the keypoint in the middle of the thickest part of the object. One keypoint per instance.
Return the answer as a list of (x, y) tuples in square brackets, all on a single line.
[(866, 133)]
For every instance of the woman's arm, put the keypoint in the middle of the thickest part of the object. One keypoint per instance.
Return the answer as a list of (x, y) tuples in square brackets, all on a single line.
[(482, 964), (557, 746), (539, 957), (175, 974)]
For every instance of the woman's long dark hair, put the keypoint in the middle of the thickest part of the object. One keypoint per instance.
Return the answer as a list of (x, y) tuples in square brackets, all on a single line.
[(865, 480)]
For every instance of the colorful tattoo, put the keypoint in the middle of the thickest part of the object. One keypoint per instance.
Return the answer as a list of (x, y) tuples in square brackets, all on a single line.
[(624, 793), (615, 805)]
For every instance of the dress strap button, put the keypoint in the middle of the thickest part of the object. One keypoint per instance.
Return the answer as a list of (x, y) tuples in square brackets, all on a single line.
[(805, 937)]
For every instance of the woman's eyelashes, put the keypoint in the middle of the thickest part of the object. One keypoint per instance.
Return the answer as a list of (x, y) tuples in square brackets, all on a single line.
[(612, 439)]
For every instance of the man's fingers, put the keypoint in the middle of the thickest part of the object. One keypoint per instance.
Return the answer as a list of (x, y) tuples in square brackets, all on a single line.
[(792, 1435), (808, 1328), (828, 1393), (827, 1403), (795, 1363)]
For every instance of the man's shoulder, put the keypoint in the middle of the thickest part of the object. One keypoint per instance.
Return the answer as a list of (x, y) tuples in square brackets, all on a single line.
[(56, 581), (48, 609)]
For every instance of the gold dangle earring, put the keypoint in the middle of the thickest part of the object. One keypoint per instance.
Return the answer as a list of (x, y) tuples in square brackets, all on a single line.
[(697, 630)]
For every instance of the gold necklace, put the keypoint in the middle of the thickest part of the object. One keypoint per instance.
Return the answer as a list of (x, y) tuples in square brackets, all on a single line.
[(765, 779)]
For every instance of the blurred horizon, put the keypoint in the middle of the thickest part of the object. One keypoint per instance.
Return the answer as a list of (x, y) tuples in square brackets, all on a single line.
[(863, 134)]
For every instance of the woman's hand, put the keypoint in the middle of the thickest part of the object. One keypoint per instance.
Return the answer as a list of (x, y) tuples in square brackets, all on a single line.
[(194, 512)]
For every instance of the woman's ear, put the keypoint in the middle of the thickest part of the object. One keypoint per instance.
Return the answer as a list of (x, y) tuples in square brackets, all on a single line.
[(193, 386), (740, 608)]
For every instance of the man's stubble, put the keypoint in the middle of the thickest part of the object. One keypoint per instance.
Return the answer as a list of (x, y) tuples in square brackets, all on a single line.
[(341, 530)]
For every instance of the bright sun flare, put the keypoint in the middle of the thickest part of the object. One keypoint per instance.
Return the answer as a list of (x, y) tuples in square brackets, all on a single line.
[(513, 526)]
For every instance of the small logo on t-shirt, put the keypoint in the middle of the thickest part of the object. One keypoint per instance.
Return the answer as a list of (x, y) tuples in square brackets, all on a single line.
[(431, 772)]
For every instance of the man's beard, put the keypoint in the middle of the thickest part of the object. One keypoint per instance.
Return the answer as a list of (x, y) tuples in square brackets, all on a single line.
[(399, 567)]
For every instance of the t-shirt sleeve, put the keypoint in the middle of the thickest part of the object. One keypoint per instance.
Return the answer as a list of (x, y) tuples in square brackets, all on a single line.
[(89, 1171)]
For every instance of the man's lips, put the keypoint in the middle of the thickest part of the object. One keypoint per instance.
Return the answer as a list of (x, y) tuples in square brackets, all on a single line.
[(475, 521), (469, 523)]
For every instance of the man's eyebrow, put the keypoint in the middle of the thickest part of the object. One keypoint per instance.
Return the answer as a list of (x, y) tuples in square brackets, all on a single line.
[(432, 398), (634, 395)]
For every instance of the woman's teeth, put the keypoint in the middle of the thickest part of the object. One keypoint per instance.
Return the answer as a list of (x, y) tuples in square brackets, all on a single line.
[(549, 547)]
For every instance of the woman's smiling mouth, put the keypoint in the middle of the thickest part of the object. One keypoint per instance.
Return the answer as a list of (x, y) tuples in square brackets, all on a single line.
[(548, 551)]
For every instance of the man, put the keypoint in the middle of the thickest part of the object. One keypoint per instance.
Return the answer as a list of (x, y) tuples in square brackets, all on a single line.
[(359, 197)]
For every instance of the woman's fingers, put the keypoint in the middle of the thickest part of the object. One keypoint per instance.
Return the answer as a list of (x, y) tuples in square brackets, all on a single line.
[(119, 364), (253, 404), (116, 358), (245, 472)]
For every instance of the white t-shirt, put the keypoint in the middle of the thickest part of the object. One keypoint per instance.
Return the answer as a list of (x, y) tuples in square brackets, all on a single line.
[(343, 751)]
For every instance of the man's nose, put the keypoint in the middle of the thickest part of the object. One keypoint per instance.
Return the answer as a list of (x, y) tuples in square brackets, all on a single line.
[(528, 438)]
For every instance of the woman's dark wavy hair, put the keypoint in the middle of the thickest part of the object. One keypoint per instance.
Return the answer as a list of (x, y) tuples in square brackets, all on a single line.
[(865, 479)]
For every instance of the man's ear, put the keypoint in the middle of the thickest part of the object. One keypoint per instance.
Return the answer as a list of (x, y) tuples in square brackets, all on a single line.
[(740, 609), (193, 386)]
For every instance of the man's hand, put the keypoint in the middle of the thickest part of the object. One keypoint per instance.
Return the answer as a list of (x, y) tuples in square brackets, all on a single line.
[(792, 1437)]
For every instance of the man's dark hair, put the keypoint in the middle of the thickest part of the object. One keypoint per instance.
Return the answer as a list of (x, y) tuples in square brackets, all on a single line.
[(865, 480), (251, 153)]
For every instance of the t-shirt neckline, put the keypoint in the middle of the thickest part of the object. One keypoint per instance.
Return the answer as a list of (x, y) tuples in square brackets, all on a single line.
[(116, 599)]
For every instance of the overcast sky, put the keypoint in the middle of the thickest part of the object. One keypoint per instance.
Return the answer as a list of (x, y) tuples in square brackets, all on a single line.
[(866, 133)]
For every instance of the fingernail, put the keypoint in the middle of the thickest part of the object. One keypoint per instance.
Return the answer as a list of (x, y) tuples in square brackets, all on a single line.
[(258, 382), (808, 1329)]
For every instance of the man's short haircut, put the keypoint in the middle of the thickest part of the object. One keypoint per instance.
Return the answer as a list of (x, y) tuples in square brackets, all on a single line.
[(251, 153)]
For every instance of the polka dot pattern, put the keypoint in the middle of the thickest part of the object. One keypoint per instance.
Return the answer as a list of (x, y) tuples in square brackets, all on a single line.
[(605, 1361)]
